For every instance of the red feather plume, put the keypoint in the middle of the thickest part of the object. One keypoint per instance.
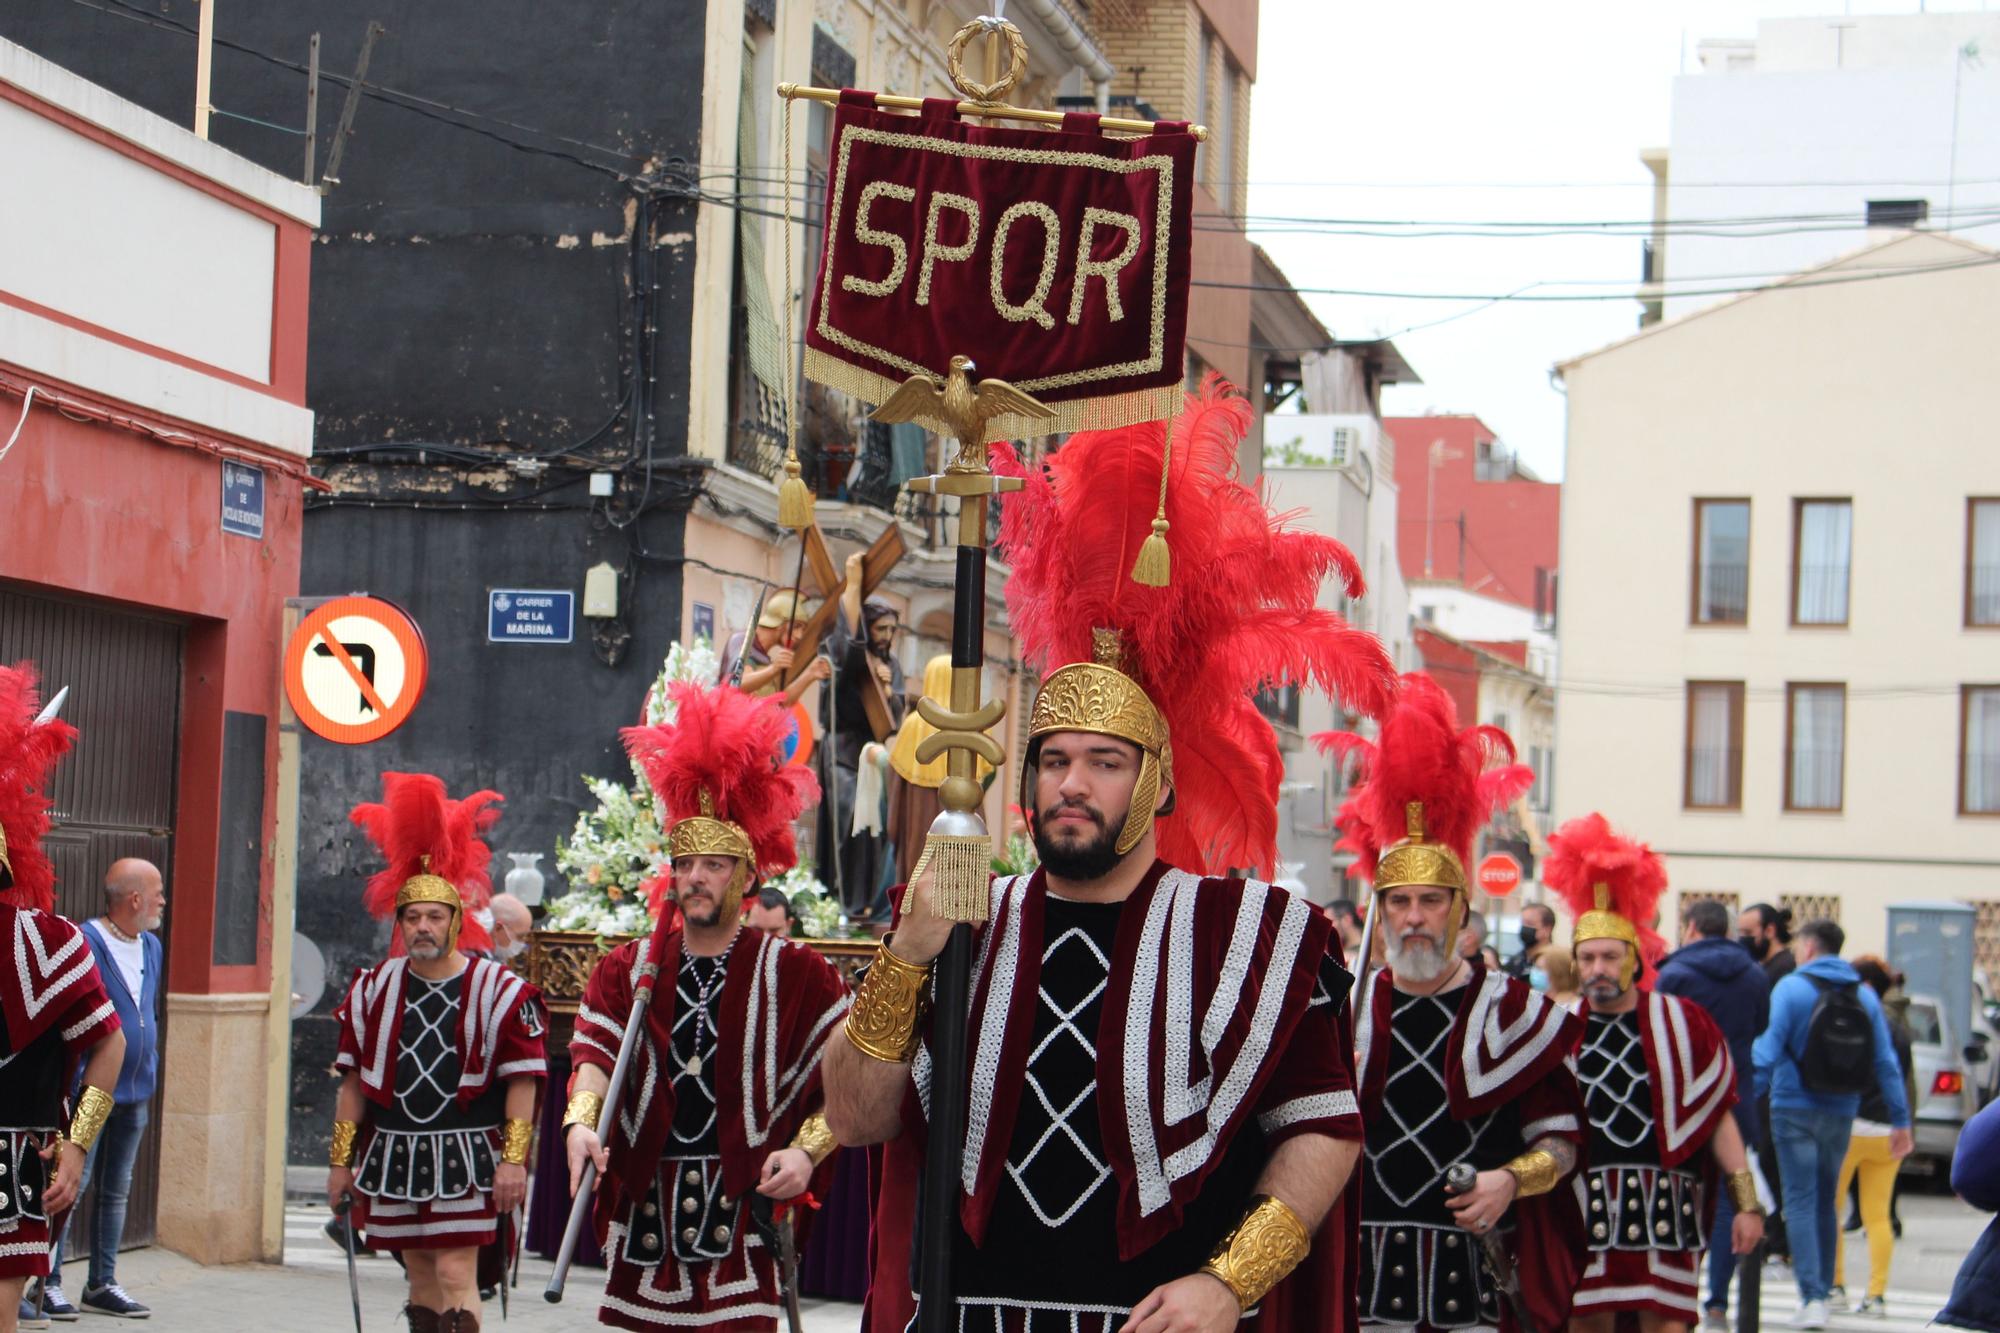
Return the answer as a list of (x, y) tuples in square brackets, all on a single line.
[(27, 753), (1461, 776), (1587, 852), (416, 818), (1239, 613), (731, 745)]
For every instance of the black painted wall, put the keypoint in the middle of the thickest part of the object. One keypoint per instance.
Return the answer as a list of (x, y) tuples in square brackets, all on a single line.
[(482, 291)]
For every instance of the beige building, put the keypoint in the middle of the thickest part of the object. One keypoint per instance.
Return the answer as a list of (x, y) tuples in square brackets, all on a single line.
[(1781, 590)]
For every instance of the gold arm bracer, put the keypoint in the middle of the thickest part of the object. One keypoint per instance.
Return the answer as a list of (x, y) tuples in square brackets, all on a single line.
[(1268, 1243), (514, 1138), (93, 1108), (814, 1139), (1535, 1172), (583, 1109), (1743, 1192), (340, 1152), (889, 1008)]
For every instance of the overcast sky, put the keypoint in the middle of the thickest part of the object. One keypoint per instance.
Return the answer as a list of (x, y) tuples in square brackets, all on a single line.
[(1453, 110)]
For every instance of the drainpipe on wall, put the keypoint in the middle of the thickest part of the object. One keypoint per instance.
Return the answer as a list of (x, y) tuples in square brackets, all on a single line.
[(1077, 45)]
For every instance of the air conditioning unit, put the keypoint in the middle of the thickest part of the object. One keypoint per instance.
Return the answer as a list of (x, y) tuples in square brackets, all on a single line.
[(1346, 446)]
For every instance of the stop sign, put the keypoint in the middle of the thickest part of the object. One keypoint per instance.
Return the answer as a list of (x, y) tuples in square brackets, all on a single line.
[(1499, 874)]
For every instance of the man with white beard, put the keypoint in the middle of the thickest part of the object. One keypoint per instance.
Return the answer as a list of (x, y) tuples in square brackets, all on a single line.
[(1457, 1063)]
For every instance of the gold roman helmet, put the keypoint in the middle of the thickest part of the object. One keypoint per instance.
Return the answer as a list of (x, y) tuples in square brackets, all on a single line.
[(1416, 862), (706, 835), (1601, 923), (1609, 882), (1097, 696), (424, 887)]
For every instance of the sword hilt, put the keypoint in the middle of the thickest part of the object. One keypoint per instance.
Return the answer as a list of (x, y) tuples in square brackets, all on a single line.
[(1460, 1177)]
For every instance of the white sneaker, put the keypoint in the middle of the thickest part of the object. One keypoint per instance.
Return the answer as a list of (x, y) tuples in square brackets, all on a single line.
[(1810, 1314)]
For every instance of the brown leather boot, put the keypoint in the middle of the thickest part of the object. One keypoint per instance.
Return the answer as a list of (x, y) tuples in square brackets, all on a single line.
[(459, 1321), (424, 1320)]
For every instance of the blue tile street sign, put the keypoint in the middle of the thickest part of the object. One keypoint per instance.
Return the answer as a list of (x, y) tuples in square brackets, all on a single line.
[(530, 615), (242, 499)]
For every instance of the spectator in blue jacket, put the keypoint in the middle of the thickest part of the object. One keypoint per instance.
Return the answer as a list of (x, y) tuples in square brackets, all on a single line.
[(130, 958), (1719, 974), (1811, 1128), (1975, 1176)]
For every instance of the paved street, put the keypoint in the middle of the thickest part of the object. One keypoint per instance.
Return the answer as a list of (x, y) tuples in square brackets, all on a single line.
[(309, 1294)]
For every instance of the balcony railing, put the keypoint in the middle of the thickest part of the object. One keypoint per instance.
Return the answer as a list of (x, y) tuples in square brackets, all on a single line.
[(1724, 594)]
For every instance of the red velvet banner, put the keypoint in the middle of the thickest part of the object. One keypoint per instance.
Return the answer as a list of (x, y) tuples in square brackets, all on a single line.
[(1057, 261)]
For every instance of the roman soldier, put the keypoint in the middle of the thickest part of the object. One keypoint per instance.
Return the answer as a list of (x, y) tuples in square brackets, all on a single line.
[(441, 1057), (56, 1010), (723, 1100), (1162, 1116), (1657, 1082), (1459, 1065)]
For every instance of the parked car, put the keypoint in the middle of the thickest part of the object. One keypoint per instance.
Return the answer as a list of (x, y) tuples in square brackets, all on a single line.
[(1948, 1072)]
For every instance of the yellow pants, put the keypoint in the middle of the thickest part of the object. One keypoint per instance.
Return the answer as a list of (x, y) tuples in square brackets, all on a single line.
[(1870, 1157)]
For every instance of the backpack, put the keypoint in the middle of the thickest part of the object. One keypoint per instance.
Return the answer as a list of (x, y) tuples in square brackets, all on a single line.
[(1839, 1054)]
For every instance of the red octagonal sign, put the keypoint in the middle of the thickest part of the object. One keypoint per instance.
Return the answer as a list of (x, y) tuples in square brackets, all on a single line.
[(1499, 874)]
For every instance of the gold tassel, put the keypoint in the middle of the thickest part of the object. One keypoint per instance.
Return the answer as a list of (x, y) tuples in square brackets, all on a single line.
[(795, 498), (964, 871), (1155, 563)]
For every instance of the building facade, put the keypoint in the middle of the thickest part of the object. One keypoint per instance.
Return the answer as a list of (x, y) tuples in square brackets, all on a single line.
[(154, 443), (1787, 148), (1326, 459), (1781, 631)]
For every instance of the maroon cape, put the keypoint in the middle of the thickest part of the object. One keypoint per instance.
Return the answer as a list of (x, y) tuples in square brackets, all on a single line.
[(502, 1024), (1209, 1019), (783, 998), (1509, 1043), (49, 979)]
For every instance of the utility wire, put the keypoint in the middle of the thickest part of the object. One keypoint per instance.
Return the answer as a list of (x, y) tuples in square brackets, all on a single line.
[(430, 108)]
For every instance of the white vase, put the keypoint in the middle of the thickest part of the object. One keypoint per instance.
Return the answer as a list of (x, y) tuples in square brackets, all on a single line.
[(525, 881)]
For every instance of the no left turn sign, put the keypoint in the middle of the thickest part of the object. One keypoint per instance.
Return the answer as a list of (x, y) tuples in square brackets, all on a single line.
[(354, 669)]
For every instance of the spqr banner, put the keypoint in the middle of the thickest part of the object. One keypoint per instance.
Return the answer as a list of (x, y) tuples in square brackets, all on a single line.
[(1059, 259)]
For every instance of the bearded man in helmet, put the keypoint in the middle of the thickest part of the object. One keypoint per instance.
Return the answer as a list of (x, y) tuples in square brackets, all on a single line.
[(722, 1101), (441, 1058), (1658, 1083), (1459, 1065)]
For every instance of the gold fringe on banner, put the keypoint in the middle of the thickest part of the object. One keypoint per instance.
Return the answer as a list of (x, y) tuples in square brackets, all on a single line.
[(1108, 412)]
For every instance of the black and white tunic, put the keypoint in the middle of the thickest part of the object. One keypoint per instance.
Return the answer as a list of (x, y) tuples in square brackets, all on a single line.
[(698, 1222), (425, 1145), (1050, 1261), (1418, 1267), (1634, 1203)]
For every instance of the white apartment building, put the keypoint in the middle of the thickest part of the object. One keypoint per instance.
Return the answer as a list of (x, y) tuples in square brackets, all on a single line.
[(1833, 123), (1350, 495), (1781, 585)]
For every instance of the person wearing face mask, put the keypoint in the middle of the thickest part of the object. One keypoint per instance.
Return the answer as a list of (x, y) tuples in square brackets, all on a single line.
[(1658, 1083), (1766, 931), (1538, 932), (724, 1089), (1554, 974), (510, 923), (435, 1113)]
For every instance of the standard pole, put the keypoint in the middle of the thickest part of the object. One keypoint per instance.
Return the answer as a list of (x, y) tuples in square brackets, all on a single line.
[(943, 1152), (204, 62)]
